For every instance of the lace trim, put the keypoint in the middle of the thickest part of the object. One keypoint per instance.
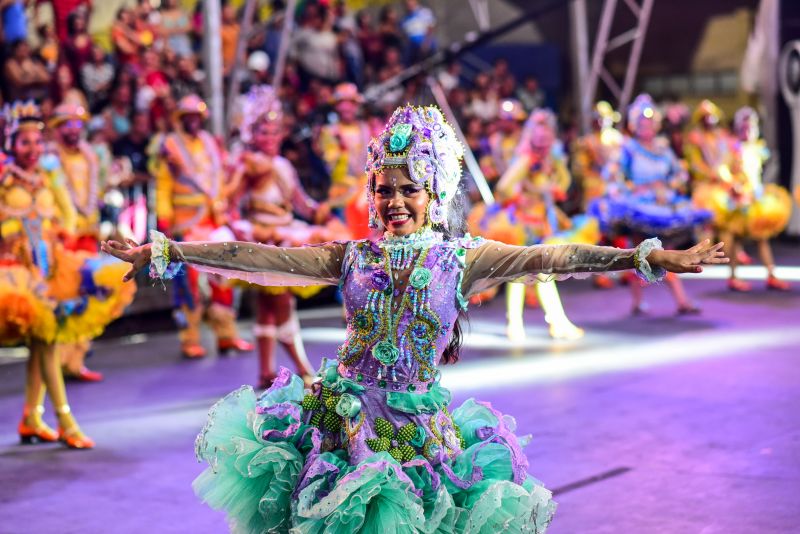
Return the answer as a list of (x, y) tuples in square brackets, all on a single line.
[(419, 240), (643, 268), (161, 265)]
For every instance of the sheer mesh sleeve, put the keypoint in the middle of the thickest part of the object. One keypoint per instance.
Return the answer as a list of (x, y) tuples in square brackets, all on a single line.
[(266, 265), (494, 263)]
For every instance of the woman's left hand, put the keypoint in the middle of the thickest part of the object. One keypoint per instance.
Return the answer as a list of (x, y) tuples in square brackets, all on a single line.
[(130, 251), (689, 260)]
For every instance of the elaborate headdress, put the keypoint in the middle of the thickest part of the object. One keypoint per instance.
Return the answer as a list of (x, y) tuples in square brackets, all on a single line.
[(19, 116), (605, 113), (258, 105), (511, 109), (420, 139), (704, 109), (643, 107)]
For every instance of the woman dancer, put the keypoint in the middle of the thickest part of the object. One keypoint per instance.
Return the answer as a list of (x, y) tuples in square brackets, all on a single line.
[(374, 446), (748, 209), (648, 203), (527, 214), (271, 194), (47, 295)]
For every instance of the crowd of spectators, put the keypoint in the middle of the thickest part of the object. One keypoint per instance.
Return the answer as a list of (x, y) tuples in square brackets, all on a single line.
[(131, 79)]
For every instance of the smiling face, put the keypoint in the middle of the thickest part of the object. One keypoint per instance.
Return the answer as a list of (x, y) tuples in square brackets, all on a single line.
[(400, 203), (267, 137), (28, 147)]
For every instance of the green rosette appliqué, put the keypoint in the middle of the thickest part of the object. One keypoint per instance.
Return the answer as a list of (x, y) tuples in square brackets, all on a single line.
[(386, 352)]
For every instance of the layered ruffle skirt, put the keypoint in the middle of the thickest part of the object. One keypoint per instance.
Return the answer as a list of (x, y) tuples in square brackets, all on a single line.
[(644, 214), (293, 461), (764, 217), (84, 294), (510, 224)]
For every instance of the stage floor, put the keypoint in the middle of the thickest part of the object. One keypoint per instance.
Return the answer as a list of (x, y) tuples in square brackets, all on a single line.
[(648, 425)]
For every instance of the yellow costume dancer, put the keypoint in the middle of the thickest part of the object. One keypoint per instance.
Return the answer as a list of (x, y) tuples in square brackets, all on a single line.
[(528, 192), (344, 148), (191, 203), (590, 155), (709, 155), (48, 295), (81, 170), (503, 141), (270, 196), (751, 210)]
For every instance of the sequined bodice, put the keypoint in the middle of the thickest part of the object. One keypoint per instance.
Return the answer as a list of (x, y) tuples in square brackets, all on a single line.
[(401, 307)]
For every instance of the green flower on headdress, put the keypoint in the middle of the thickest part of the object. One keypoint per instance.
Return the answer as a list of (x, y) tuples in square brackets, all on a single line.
[(400, 137)]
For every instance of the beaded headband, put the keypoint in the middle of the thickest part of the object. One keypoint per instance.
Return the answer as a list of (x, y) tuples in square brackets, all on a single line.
[(643, 107), (20, 116), (421, 140), (259, 105)]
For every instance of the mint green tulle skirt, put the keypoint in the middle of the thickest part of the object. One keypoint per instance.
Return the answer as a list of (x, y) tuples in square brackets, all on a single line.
[(271, 469)]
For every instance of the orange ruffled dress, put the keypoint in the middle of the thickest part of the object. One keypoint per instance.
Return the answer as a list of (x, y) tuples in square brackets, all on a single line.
[(47, 292)]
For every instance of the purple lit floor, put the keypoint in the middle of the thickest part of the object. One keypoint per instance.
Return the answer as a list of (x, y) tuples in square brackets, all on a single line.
[(646, 425)]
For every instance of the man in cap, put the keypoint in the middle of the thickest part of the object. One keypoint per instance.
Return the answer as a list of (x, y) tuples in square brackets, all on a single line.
[(344, 148), (82, 172), (81, 169), (191, 195), (591, 153)]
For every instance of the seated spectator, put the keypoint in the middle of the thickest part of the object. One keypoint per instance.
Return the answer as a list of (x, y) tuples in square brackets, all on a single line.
[(49, 48), (61, 12), (370, 41), (176, 27), (229, 31), (484, 103), (124, 37), (25, 78), (15, 21), (530, 94), (78, 48), (119, 109), (450, 77), (389, 28), (315, 48), (64, 89), (96, 77), (419, 25), (133, 146), (392, 62), (187, 79), (350, 50)]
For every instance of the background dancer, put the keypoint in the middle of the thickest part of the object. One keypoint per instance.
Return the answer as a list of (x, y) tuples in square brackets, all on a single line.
[(192, 202), (48, 295)]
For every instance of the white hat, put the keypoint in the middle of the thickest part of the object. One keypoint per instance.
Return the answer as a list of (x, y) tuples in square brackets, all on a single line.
[(258, 61)]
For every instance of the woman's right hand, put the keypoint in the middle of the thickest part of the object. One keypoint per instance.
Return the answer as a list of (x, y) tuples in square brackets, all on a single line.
[(130, 251)]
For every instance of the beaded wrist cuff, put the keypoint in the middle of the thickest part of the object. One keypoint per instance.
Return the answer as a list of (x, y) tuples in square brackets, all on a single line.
[(643, 268), (161, 265)]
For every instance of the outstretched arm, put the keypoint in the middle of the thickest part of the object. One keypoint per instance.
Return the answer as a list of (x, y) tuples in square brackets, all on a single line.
[(259, 264), (494, 263)]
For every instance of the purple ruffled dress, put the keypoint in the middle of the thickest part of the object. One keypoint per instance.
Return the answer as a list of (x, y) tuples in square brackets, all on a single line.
[(374, 446)]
